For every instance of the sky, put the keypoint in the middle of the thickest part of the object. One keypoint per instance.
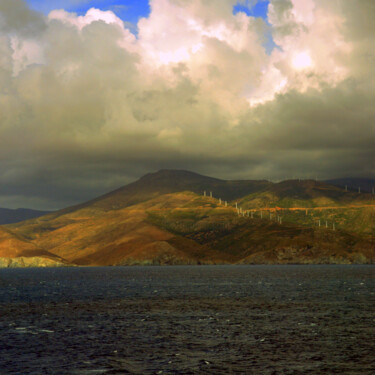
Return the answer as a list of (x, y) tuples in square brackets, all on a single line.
[(95, 94)]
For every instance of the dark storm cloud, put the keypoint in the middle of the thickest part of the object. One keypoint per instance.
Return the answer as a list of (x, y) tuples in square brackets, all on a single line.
[(85, 107)]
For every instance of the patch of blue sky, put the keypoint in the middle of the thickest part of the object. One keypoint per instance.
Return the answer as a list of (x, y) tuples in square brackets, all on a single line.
[(129, 11), (259, 9)]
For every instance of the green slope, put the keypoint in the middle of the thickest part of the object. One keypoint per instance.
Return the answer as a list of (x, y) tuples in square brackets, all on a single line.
[(304, 193)]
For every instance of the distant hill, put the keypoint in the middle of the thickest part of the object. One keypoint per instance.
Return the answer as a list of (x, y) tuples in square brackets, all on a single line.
[(303, 193), (366, 184), (164, 218), (9, 216)]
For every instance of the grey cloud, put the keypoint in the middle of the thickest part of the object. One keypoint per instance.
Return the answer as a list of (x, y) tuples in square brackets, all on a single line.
[(281, 16), (17, 17)]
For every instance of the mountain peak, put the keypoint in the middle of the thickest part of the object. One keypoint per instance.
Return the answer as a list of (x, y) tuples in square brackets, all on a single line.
[(166, 181), (176, 173)]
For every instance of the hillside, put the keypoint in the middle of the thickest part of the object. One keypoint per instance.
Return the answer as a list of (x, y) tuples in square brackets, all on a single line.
[(18, 251), (163, 218), (123, 236), (256, 240), (304, 193), (10, 216), (310, 202)]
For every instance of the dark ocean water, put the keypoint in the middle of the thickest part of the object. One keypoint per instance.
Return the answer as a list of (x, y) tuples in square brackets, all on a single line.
[(188, 320)]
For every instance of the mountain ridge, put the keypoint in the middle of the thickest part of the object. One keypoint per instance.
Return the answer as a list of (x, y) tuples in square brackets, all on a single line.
[(10, 216), (167, 181), (365, 184), (164, 218)]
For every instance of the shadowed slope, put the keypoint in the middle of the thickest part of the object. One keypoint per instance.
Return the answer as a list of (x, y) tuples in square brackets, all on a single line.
[(366, 184), (256, 240)]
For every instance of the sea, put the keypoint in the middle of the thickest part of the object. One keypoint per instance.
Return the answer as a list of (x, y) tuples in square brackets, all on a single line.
[(258, 319)]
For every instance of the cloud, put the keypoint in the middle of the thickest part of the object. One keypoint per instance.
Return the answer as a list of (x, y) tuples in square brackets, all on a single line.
[(16, 17), (86, 106)]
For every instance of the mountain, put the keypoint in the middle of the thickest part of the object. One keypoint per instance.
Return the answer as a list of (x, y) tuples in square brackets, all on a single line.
[(365, 184), (169, 181), (164, 218), (9, 216)]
